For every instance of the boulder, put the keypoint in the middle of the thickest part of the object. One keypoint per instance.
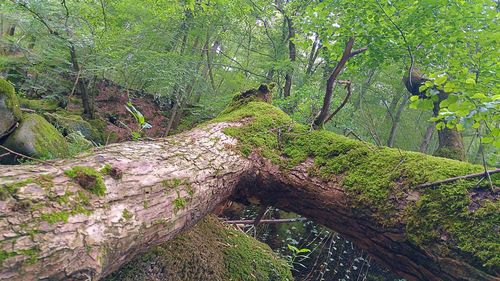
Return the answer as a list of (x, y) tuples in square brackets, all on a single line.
[(69, 124), (10, 113), (40, 105), (35, 137)]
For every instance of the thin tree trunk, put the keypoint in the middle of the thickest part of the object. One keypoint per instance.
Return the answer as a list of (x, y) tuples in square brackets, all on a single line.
[(87, 99), (313, 55), (11, 30), (424, 147), (395, 122), (173, 114), (451, 144), (292, 53)]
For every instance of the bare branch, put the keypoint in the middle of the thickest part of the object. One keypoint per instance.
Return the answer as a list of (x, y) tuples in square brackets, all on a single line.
[(470, 176)]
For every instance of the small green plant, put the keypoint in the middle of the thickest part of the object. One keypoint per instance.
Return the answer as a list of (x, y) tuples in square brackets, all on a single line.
[(297, 256), (141, 121), (179, 203)]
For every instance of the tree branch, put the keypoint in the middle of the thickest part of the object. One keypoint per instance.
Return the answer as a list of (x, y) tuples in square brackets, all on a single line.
[(470, 176), (269, 221), (347, 84)]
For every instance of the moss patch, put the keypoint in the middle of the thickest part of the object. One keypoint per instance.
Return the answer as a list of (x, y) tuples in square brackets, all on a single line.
[(379, 180), (88, 178), (209, 251), (41, 105), (8, 94), (74, 123), (56, 217), (37, 137)]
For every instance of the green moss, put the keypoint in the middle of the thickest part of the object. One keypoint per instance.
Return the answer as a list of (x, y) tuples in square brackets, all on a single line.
[(208, 251), (106, 169), (11, 100), (38, 138), (248, 259), (41, 105), (10, 189), (450, 152), (179, 202), (126, 214), (378, 180), (83, 198), (32, 255), (56, 217), (5, 255), (68, 123), (88, 178), (263, 94), (190, 190), (173, 183)]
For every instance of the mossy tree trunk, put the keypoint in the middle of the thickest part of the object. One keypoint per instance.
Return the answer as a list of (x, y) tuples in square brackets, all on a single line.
[(451, 144), (71, 219)]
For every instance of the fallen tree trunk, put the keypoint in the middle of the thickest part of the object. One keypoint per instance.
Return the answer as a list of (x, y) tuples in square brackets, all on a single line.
[(84, 218)]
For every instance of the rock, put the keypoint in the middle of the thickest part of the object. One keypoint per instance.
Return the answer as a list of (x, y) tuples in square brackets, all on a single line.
[(78, 143), (40, 105), (75, 123), (35, 137), (10, 113)]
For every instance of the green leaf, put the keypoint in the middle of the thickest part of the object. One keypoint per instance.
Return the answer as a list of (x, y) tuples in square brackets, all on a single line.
[(450, 87), (487, 140), (303, 250), (422, 88), (441, 80)]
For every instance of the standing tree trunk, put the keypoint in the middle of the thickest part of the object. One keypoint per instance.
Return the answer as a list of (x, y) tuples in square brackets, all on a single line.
[(83, 218), (395, 121), (424, 146), (313, 55), (451, 144), (292, 54), (87, 99)]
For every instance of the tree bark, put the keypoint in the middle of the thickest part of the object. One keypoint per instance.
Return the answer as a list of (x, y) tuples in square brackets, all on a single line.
[(54, 228), (87, 99), (424, 146), (395, 120), (348, 53), (163, 188), (292, 54), (451, 144)]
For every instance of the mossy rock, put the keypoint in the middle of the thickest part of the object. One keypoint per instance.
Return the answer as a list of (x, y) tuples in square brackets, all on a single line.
[(36, 137), (209, 251), (69, 124), (40, 105), (10, 113)]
